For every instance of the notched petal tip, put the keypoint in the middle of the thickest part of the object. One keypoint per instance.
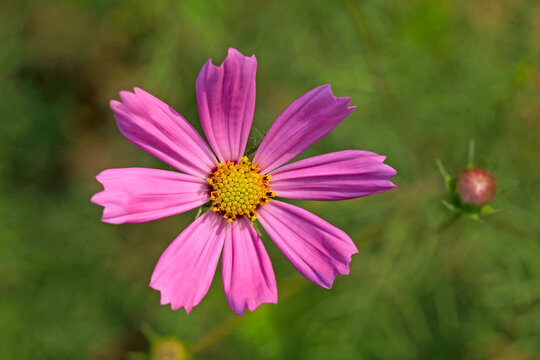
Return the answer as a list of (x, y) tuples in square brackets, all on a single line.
[(384, 168), (345, 100), (328, 285), (126, 95), (208, 63), (101, 175), (388, 169), (158, 129), (317, 249), (134, 195), (167, 299), (232, 55), (185, 270), (139, 91), (232, 52), (251, 306), (341, 175), (97, 198), (101, 178), (248, 276), (115, 105), (302, 123)]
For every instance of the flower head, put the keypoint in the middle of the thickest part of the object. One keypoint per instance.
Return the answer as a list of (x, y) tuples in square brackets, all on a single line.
[(241, 190)]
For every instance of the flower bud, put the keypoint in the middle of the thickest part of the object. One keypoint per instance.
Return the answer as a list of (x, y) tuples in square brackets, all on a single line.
[(168, 349), (476, 187)]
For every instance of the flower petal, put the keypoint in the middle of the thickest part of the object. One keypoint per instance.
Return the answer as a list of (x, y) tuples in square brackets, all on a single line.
[(336, 176), (318, 250), (135, 195), (156, 128), (185, 270), (226, 100), (248, 277), (305, 121)]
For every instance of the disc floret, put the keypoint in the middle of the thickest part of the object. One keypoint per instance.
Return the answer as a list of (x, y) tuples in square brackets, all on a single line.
[(238, 189)]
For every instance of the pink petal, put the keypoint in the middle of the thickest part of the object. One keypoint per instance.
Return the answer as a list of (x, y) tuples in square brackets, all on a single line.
[(185, 270), (305, 121), (226, 99), (336, 176), (318, 250), (135, 195), (156, 128), (248, 277)]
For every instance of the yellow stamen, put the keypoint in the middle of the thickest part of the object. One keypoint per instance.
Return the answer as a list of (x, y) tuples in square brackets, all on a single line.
[(238, 189)]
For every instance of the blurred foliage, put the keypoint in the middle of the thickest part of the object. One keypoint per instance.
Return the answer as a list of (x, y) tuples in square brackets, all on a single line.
[(427, 75)]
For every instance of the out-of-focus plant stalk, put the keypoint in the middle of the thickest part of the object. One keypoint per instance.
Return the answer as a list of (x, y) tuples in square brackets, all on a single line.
[(373, 57)]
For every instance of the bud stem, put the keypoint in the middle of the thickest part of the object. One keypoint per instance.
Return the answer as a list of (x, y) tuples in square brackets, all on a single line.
[(470, 161)]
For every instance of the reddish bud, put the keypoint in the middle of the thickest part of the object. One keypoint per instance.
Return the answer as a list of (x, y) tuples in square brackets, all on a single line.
[(476, 187)]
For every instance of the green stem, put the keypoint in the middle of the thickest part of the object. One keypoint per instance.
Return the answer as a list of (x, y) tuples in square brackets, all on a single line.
[(470, 161), (448, 223)]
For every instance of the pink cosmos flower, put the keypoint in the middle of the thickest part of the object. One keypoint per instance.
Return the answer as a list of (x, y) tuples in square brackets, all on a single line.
[(240, 190)]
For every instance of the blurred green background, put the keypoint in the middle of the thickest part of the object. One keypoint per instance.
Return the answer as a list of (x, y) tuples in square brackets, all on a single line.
[(427, 75)]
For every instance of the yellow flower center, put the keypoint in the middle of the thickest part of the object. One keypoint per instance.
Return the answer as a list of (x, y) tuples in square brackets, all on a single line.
[(238, 189)]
